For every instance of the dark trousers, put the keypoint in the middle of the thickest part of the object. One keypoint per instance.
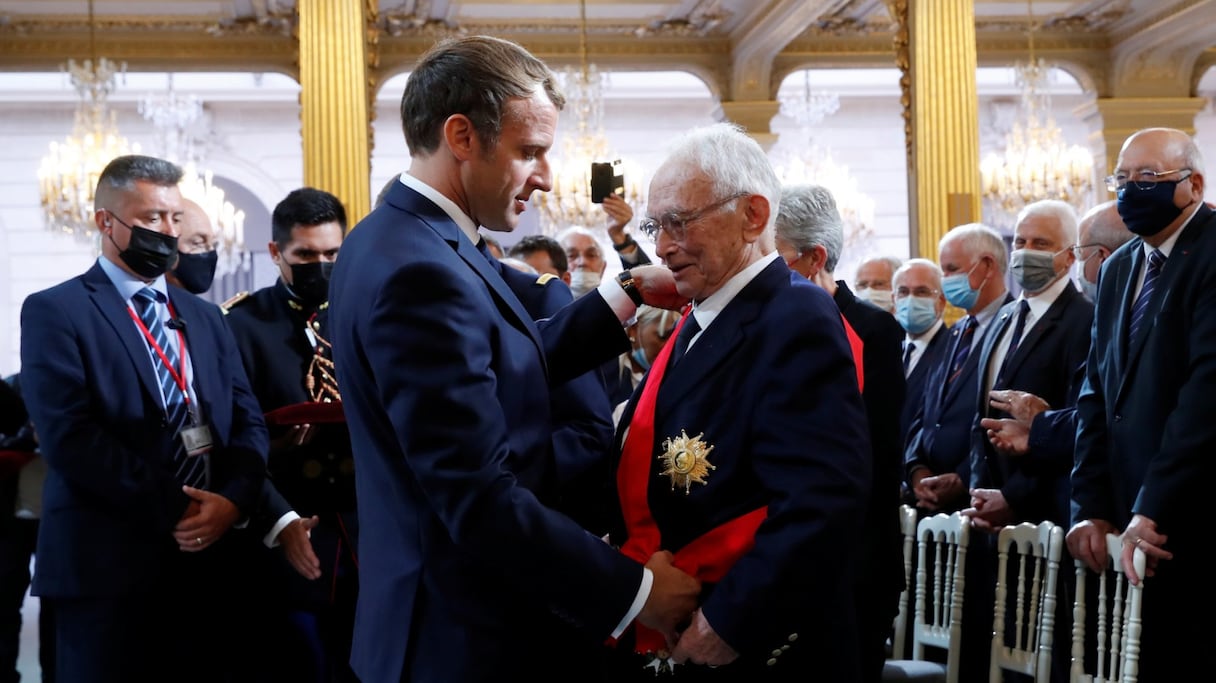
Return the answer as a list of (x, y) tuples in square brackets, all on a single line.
[(18, 537)]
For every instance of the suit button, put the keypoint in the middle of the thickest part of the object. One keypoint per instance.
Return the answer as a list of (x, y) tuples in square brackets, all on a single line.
[(1118, 417), (937, 426), (776, 653), (772, 662), (793, 637), (784, 648)]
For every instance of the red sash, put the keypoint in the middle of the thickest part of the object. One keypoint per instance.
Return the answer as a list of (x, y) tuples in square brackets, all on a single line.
[(856, 346), (708, 557)]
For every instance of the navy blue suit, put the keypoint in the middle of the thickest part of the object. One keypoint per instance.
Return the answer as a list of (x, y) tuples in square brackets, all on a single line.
[(111, 491), (917, 380), (771, 385), (1146, 433), (1045, 364), (940, 435), (444, 379)]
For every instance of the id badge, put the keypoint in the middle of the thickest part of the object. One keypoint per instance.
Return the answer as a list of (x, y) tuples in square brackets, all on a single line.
[(197, 440)]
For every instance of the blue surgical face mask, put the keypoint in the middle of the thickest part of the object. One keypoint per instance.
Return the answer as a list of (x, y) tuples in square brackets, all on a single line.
[(1090, 289), (639, 357), (916, 314), (958, 290), (1147, 212)]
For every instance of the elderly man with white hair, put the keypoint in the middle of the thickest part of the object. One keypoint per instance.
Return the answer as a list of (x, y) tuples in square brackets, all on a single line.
[(919, 304)]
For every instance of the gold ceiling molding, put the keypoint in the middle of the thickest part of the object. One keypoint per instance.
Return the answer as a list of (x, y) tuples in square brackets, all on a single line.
[(851, 26)]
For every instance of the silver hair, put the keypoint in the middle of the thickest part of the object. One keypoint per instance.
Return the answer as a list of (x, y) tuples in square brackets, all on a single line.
[(1063, 213), (935, 269), (893, 262), (1105, 227), (731, 160), (979, 240), (809, 218)]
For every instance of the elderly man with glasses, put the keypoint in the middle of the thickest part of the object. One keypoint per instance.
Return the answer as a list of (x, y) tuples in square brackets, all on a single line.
[(1145, 433), (745, 451)]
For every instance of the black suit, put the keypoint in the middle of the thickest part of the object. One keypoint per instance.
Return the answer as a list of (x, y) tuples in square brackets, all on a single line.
[(1146, 433), (881, 577), (1045, 364)]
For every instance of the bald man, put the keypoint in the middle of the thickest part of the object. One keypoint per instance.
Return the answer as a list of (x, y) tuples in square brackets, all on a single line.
[(196, 250)]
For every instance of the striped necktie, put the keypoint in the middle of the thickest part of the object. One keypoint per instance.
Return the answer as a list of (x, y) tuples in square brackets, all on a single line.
[(1156, 260), (962, 349), (190, 470)]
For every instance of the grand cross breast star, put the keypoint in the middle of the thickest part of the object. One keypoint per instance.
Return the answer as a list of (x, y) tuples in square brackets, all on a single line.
[(686, 460)]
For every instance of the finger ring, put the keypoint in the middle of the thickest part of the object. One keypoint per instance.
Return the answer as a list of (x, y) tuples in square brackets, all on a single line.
[(1137, 541), (198, 541)]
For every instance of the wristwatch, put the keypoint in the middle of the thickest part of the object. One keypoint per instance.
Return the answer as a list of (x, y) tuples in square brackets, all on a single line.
[(630, 287), (624, 245)]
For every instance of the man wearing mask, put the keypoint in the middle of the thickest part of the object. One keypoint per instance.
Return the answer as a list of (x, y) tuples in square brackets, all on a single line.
[(919, 304), (196, 254), (873, 281), (585, 258), (281, 332), (1145, 433), (1101, 233), (154, 446)]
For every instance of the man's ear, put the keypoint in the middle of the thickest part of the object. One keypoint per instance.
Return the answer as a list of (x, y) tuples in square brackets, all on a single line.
[(461, 137), (756, 210), (274, 251)]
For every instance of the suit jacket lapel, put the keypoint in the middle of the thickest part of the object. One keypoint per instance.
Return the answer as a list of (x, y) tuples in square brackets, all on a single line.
[(112, 307), (719, 340), (1050, 317), (409, 200)]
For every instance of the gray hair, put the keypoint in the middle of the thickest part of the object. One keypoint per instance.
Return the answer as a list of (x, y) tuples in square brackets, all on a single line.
[(1105, 226), (893, 262), (731, 160), (809, 218), (121, 174), (664, 318), (979, 240), (1063, 213), (934, 268)]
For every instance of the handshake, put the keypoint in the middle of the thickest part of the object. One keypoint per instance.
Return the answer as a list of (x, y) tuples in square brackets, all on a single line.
[(671, 609)]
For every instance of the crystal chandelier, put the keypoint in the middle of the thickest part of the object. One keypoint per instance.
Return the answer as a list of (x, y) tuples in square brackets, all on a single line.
[(569, 202), (173, 115), (68, 174), (1036, 163), (804, 161)]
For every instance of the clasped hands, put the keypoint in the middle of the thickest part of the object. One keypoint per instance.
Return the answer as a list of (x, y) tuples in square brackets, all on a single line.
[(672, 603)]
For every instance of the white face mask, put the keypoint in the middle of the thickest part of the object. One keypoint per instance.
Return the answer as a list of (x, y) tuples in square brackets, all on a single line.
[(881, 298), (583, 281)]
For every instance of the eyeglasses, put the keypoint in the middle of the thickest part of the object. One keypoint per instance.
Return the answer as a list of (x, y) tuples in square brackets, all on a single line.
[(919, 292), (1144, 180), (676, 224)]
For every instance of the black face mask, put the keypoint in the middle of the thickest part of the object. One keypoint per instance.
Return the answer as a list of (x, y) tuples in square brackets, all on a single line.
[(196, 271), (310, 281), (149, 253), (1147, 212)]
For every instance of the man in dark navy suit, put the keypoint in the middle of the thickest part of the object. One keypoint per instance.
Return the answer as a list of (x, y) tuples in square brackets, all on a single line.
[(973, 258), (919, 305), (810, 237), (466, 574), (745, 451), (154, 443), (1145, 433)]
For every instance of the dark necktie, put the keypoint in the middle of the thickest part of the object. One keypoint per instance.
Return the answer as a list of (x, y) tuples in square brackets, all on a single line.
[(1140, 309), (1018, 328), (485, 249), (962, 348), (190, 470), (909, 348), (687, 332)]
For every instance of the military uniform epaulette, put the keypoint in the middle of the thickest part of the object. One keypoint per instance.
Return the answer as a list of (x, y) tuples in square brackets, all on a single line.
[(545, 278), (234, 301)]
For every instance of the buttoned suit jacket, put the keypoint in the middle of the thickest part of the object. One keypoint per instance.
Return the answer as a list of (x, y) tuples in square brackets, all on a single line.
[(94, 398), (917, 380), (1046, 364), (444, 379), (940, 435), (771, 385)]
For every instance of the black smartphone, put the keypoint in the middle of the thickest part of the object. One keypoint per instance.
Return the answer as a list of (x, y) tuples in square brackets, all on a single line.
[(605, 180)]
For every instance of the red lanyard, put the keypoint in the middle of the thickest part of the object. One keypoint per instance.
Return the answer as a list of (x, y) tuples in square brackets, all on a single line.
[(179, 378)]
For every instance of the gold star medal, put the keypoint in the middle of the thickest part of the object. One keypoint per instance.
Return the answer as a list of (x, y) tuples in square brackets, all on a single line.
[(686, 460)]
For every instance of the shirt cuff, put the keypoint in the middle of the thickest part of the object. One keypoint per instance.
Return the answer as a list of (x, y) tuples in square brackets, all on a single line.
[(272, 539), (616, 298), (638, 602)]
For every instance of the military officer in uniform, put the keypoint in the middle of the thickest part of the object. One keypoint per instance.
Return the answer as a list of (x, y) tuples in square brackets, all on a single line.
[(281, 334)]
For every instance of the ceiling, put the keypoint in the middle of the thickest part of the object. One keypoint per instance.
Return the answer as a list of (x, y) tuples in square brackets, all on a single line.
[(741, 48)]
